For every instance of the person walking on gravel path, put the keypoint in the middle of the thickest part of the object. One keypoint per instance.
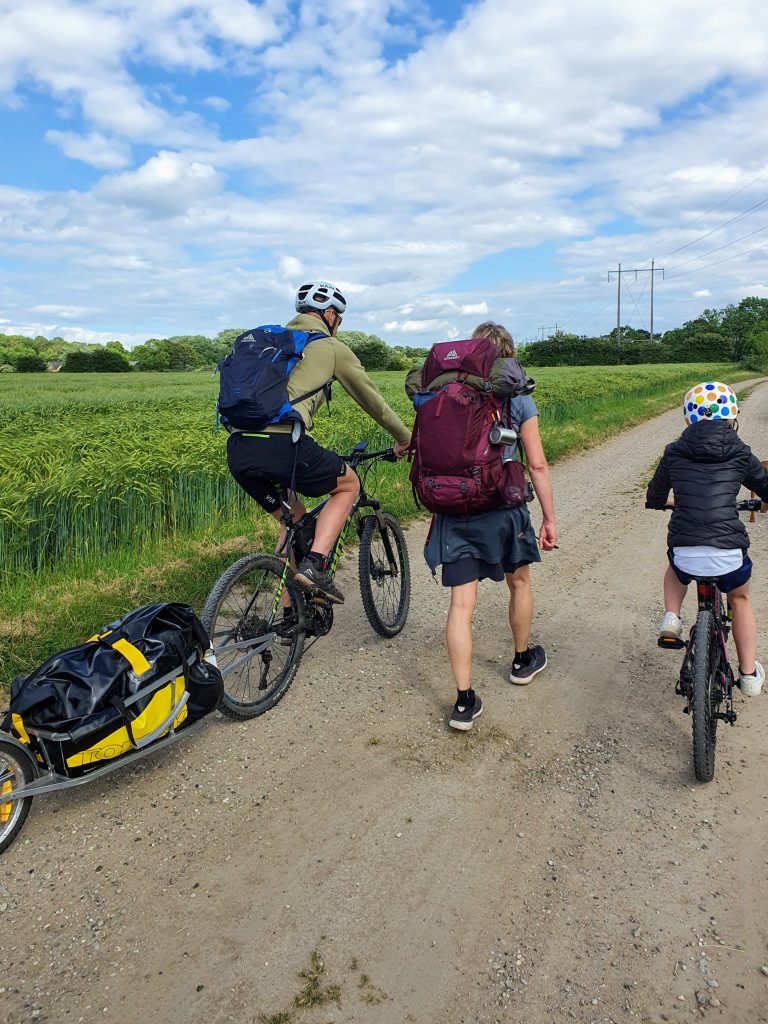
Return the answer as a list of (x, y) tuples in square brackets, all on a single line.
[(705, 469), (497, 545)]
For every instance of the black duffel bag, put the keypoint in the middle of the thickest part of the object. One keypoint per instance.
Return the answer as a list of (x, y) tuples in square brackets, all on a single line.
[(138, 677)]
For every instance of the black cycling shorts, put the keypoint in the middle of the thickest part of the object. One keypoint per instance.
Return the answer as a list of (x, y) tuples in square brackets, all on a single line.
[(258, 461)]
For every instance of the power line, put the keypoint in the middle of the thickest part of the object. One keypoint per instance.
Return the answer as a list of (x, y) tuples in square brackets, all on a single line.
[(589, 301), (727, 258), (690, 223), (687, 224), (719, 247), (597, 313), (717, 228)]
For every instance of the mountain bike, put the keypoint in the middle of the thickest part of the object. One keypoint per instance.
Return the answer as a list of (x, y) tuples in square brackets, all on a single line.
[(706, 678), (259, 618)]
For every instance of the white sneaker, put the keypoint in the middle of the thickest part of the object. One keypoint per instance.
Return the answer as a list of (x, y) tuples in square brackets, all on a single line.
[(671, 627), (752, 685)]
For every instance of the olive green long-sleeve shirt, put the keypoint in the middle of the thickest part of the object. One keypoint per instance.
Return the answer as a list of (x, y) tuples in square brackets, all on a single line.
[(327, 359)]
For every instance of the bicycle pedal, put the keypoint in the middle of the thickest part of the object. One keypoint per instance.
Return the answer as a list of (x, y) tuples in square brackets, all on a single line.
[(671, 643)]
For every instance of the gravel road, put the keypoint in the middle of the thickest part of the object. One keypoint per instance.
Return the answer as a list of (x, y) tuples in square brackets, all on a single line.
[(559, 863)]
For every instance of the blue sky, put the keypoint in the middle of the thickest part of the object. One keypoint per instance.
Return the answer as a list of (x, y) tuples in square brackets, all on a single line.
[(182, 167)]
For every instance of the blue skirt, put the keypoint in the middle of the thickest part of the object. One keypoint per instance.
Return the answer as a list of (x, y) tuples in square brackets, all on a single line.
[(484, 546)]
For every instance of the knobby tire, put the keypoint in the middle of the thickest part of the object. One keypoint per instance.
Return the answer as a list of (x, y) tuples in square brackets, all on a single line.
[(386, 595), (704, 722), (239, 608), (17, 768)]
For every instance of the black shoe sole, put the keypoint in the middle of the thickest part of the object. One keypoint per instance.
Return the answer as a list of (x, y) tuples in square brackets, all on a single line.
[(309, 584)]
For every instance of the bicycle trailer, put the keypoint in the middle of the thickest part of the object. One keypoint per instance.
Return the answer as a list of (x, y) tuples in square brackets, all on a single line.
[(122, 689)]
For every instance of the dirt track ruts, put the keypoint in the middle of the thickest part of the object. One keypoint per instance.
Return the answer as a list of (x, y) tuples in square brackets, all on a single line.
[(558, 863)]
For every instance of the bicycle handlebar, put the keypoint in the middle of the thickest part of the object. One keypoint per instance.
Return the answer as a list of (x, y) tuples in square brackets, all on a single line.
[(386, 455), (746, 505)]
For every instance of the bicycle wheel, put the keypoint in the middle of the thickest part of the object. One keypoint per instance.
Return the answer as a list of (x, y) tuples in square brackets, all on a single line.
[(257, 651), (385, 574), (702, 697), (17, 768)]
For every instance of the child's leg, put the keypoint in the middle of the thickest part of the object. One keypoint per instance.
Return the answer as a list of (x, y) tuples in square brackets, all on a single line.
[(674, 591), (744, 628)]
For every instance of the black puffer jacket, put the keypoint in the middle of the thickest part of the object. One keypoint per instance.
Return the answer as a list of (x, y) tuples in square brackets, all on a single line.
[(706, 468)]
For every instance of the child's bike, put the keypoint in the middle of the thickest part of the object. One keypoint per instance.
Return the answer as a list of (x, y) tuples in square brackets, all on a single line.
[(706, 678), (259, 618)]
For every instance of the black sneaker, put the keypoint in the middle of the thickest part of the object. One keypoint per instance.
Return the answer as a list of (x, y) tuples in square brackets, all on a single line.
[(463, 716), (520, 674), (314, 578)]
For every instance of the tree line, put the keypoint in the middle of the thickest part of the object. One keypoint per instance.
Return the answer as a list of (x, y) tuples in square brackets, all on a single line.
[(21, 354), (737, 333)]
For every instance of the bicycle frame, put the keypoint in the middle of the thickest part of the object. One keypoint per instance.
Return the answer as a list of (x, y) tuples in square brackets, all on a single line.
[(287, 548), (710, 599)]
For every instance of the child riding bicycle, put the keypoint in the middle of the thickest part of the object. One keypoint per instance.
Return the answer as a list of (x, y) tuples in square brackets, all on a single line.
[(705, 468)]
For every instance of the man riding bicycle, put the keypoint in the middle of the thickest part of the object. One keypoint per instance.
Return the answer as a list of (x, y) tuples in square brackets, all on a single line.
[(282, 454)]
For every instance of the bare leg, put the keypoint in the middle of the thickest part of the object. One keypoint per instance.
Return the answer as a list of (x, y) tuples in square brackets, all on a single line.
[(520, 606), (331, 520), (458, 633), (297, 511), (744, 628), (674, 592)]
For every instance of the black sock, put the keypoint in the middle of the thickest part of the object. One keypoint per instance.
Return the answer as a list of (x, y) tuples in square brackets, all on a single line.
[(466, 698), (522, 657), (315, 558)]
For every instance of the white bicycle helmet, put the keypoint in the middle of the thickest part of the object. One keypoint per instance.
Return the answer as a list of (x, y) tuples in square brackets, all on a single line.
[(319, 296), (710, 401)]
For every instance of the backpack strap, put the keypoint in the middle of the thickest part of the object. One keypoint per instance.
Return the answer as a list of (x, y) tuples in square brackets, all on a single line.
[(326, 388)]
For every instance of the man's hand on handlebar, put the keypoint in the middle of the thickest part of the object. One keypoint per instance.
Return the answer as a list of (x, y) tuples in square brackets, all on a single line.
[(400, 448)]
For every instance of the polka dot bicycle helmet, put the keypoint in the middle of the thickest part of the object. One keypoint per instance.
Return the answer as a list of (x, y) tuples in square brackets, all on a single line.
[(318, 296), (710, 401)]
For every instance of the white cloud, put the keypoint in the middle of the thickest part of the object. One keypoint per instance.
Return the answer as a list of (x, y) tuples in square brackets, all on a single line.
[(515, 129), (63, 312), (217, 103), (416, 326), (165, 186), (87, 47), (94, 149), (291, 267)]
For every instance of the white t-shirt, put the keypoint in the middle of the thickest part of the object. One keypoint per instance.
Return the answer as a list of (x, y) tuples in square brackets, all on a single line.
[(704, 560)]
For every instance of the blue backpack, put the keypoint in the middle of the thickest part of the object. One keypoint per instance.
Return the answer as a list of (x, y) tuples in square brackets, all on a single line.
[(254, 377)]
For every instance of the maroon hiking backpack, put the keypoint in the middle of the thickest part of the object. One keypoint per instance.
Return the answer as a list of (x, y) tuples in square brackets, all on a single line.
[(456, 470)]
